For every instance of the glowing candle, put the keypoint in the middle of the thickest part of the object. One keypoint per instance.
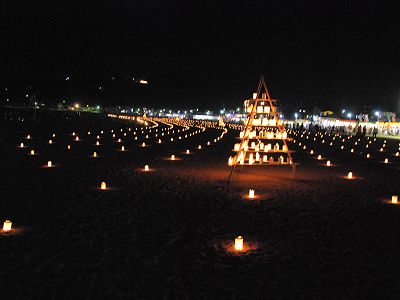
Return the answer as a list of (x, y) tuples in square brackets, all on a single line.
[(319, 157), (28, 137), (187, 151), (159, 141), (97, 143), (394, 199), (146, 167), (7, 225), (386, 160), (368, 155), (69, 147), (172, 157), (143, 144), (328, 163), (312, 152), (350, 175), (32, 152), (122, 148), (199, 147), (22, 145), (230, 161), (95, 154), (49, 163), (103, 186), (54, 135), (50, 142), (77, 138), (119, 140), (251, 194), (239, 243)]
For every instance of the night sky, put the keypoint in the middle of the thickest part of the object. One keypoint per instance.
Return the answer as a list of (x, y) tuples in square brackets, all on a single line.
[(206, 55)]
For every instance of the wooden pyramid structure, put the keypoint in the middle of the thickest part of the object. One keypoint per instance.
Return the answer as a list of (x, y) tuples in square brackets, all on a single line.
[(264, 138)]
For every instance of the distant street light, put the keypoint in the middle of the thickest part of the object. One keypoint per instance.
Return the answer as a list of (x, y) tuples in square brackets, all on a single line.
[(349, 115), (378, 114)]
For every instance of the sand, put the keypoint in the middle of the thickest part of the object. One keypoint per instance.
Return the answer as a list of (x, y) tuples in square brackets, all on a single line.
[(168, 233)]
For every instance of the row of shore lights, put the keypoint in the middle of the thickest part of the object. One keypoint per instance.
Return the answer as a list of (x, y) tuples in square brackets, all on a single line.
[(32, 152), (49, 163), (386, 161)]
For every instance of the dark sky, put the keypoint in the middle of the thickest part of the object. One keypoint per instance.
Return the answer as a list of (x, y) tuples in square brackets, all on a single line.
[(203, 54)]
